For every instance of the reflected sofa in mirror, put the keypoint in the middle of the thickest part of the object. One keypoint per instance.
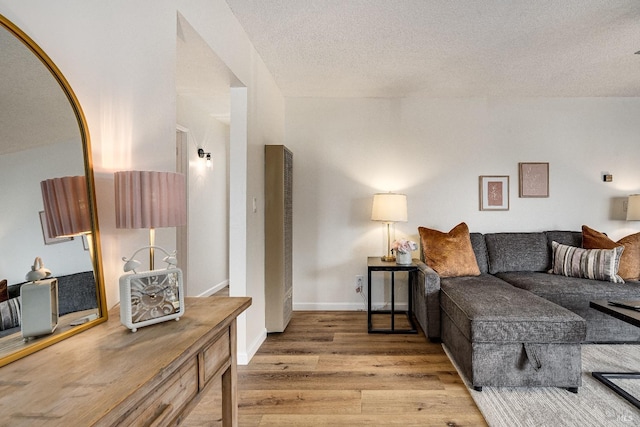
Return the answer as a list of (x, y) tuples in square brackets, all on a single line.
[(43, 135)]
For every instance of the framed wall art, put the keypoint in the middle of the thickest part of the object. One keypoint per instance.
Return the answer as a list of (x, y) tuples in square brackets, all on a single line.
[(534, 179), (494, 193)]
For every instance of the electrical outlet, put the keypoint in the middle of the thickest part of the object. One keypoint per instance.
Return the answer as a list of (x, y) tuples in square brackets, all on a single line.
[(359, 283)]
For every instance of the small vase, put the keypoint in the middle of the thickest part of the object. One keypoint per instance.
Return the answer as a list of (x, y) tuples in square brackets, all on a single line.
[(403, 258)]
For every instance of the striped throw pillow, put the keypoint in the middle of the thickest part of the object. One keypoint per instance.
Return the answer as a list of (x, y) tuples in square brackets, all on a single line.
[(9, 313), (597, 264)]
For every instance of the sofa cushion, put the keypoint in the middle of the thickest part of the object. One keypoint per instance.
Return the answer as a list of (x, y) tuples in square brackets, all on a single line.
[(480, 251), (449, 254), (488, 309), (9, 314), (14, 290), (77, 292), (517, 252), (570, 292), (570, 238), (597, 264), (630, 261), (575, 294)]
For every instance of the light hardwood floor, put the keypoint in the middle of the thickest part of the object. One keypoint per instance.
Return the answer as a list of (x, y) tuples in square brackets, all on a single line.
[(326, 370)]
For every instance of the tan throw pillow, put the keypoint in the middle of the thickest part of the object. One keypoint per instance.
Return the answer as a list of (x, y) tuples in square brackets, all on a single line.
[(449, 254), (629, 262)]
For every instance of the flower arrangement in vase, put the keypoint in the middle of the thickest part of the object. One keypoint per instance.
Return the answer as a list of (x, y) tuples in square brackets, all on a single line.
[(403, 248)]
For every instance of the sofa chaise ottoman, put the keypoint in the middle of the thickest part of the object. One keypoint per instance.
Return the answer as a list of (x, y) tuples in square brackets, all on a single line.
[(505, 319), (500, 335)]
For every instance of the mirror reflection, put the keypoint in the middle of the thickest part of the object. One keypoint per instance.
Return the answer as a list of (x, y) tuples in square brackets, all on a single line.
[(40, 139)]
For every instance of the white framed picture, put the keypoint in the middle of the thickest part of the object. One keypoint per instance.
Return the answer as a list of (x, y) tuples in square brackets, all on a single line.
[(494, 193)]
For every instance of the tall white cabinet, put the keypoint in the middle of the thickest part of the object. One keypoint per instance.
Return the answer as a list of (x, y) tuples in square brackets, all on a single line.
[(278, 229)]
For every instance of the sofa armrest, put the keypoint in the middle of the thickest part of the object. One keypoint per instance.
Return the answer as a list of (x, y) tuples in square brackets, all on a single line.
[(426, 303), (431, 278)]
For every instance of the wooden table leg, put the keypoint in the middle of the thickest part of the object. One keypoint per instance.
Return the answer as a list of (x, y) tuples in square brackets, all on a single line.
[(230, 383)]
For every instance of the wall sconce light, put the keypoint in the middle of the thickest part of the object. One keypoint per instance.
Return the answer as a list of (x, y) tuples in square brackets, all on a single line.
[(203, 155)]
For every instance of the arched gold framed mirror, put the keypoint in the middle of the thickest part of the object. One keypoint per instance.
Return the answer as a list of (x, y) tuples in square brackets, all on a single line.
[(43, 136)]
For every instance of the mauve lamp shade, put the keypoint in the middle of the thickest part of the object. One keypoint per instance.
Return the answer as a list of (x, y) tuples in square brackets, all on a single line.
[(147, 199), (66, 206)]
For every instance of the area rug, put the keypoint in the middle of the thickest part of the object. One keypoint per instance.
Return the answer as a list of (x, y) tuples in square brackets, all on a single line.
[(593, 405)]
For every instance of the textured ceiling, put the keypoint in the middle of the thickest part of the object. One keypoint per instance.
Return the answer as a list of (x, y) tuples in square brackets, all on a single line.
[(438, 48)]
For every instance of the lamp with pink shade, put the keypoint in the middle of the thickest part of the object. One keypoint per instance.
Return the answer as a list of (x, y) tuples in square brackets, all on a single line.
[(148, 199), (66, 207)]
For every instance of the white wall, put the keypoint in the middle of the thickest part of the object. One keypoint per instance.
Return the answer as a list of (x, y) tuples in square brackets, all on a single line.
[(215, 23), (120, 59), (434, 150), (208, 238)]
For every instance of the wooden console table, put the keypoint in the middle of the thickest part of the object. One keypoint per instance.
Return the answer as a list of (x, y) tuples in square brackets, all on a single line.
[(109, 376)]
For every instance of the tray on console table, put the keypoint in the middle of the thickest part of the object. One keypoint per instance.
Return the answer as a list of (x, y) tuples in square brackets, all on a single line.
[(109, 376)]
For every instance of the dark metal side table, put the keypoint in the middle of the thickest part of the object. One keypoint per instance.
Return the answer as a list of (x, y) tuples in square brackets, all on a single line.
[(376, 264)]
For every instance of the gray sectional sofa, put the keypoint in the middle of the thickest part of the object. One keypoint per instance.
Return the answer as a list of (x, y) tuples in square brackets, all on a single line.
[(516, 324)]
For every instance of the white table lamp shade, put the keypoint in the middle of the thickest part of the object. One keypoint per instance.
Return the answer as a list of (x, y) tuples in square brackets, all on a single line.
[(633, 207), (389, 207)]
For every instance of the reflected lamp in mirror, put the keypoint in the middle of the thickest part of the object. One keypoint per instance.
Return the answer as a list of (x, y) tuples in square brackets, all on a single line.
[(66, 207), (148, 199), (633, 207), (389, 208)]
